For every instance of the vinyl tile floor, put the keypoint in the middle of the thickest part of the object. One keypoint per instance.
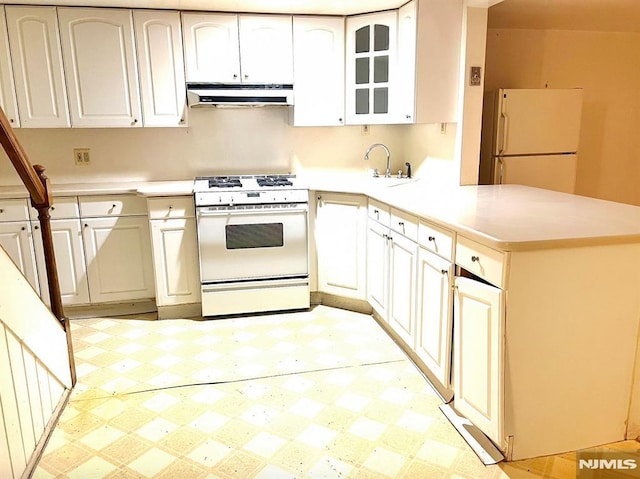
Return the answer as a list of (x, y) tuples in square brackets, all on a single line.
[(323, 393)]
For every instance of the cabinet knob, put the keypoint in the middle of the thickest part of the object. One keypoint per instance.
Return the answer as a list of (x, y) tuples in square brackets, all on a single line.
[(400, 223), (444, 271), (235, 75), (1, 210), (135, 121), (23, 228), (319, 198), (246, 76), (86, 225), (36, 227), (53, 208), (475, 259), (431, 238), (170, 207), (408, 117), (340, 120), (11, 120)]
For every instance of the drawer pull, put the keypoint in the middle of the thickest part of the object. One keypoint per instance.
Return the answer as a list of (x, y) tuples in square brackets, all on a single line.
[(444, 271), (1, 210), (475, 259), (431, 238)]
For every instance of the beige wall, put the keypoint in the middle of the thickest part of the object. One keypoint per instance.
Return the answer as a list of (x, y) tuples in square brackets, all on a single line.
[(607, 66), (225, 141)]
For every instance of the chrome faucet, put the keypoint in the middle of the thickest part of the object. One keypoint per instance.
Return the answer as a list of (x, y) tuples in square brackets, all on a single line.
[(387, 173)]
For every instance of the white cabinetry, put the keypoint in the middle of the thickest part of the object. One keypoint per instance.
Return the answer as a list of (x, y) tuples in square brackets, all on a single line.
[(392, 254), (341, 221), (69, 251), (212, 48), (175, 251), (161, 67), (371, 45), (266, 48), (434, 301), (478, 355), (15, 237), (8, 100), (227, 48), (100, 66), (37, 65), (318, 57), (117, 247)]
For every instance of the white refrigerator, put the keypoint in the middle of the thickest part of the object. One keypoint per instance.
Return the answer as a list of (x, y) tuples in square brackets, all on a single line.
[(530, 137)]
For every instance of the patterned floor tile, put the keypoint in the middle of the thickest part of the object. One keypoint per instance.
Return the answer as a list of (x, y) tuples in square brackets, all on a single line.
[(305, 395)]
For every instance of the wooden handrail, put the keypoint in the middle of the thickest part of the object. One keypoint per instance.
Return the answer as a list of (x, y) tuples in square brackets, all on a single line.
[(37, 185)]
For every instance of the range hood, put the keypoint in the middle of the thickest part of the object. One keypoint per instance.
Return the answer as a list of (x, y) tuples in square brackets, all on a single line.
[(238, 94)]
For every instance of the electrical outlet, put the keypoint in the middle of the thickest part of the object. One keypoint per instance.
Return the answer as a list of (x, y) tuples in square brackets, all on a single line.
[(475, 76), (364, 130), (443, 128), (82, 156)]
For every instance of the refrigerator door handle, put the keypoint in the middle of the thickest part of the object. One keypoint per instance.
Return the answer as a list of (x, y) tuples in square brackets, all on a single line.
[(500, 170), (504, 121)]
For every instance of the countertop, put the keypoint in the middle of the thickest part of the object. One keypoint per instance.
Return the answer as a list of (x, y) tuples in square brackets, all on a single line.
[(505, 217)]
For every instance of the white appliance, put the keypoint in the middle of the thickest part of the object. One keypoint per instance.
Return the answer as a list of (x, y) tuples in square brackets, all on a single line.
[(530, 137), (253, 243)]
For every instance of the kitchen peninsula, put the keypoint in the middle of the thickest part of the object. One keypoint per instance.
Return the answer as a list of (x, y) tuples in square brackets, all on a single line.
[(545, 291)]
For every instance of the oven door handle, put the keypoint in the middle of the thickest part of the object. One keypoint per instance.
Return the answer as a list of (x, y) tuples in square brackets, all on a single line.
[(253, 212)]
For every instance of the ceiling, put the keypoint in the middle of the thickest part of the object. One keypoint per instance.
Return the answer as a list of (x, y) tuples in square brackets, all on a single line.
[(322, 7), (589, 15)]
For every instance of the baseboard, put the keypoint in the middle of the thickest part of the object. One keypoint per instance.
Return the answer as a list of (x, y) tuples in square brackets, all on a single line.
[(180, 311), (350, 304), (110, 309)]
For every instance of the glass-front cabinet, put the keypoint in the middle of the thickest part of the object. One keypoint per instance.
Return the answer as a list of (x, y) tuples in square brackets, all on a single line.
[(370, 67)]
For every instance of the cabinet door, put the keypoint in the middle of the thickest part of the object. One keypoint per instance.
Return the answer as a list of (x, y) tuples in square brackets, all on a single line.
[(8, 100), (70, 262), (175, 261), (15, 238), (37, 65), (318, 57), (370, 62), (434, 314), (403, 258), (161, 67), (100, 63), (211, 46), (118, 254), (266, 48), (406, 77), (341, 221), (378, 267), (478, 355)]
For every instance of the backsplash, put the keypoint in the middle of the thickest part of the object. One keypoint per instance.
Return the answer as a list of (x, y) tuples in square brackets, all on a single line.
[(224, 141)]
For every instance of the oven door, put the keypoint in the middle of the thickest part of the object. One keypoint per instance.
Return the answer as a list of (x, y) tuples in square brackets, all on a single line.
[(252, 242)]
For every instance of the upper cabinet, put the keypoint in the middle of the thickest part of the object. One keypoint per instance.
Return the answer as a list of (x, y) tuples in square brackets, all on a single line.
[(211, 47), (37, 66), (227, 48), (266, 48), (100, 66), (161, 67), (8, 100), (370, 67), (318, 56)]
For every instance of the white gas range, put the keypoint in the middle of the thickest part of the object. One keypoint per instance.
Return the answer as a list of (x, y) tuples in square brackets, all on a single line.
[(253, 243)]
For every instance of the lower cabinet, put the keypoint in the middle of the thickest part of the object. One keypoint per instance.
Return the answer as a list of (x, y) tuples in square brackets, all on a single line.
[(403, 258), (478, 327), (434, 314), (341, 223), (378, 267), (70, 261), (118, 254), (175, 251), (15, 238)]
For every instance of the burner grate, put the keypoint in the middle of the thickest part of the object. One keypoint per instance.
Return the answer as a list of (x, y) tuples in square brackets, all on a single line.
[(273, 181), (224, 182)]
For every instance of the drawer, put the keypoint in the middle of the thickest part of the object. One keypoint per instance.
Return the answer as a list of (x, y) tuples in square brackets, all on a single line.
[(171, 207), (437, 240), (485, 262), (405, 224), (112, 205), (63, 208), (379, 212), (14, 210)]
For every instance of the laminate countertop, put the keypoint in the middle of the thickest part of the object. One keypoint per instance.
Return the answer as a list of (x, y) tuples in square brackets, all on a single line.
[(505, 217)]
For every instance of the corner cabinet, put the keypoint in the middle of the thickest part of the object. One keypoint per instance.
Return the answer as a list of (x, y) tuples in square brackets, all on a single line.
[(100, 65), (37, 66), (161, 67), (371, 49), (341, 223), (318, 56)]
